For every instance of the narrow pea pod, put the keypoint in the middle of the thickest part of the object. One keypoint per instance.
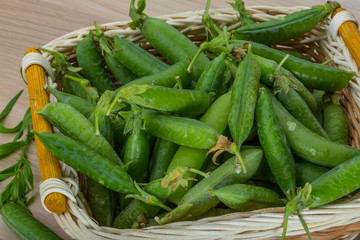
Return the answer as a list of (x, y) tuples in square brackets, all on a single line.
[(128, 215), (224, 175), (275, 145), (136, 59), (101, 201), (137, 155), (24, 225), (284, 28), (88, 162), (119, 71), (335, 123), (242, 197), (216, 117), (243, 98), (308, 145), (181, 101), (84, 107), (168, 41), (91, 65), (163, 153), (307, 172), (269, 67), (72, 123), (312, 75), (212, 78), (296, 105)]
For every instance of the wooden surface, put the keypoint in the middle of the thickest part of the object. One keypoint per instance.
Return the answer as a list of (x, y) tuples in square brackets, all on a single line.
[(33, 23)]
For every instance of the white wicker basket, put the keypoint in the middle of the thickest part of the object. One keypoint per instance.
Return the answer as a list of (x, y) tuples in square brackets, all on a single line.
[(333, 221)]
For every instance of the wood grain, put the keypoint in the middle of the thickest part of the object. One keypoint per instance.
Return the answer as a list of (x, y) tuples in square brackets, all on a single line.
[(33, 23)]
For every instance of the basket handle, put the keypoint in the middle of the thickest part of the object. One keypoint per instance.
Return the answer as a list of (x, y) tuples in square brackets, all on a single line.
[(349, 31), (49, 165)]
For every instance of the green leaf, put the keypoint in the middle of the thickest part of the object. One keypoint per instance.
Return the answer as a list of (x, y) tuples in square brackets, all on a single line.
[(10, 147), (28, 174), (9, 106), (25, 123), (5, 194), (10, 130), (4, 176), (15, 189)]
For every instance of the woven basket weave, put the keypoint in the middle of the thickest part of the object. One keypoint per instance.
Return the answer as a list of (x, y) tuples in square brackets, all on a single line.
[(334, 221)]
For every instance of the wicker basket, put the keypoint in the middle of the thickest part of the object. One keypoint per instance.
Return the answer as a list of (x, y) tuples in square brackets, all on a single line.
[(334, 221)]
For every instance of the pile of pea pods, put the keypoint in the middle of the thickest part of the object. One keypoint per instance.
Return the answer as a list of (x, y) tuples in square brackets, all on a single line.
[(230, 125)]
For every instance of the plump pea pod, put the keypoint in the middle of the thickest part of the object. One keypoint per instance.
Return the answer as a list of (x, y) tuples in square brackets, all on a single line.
[(86, 160), (284, 28), (335, 123), (296, 105), (242, 197), (168, 41), (319, 114), (24, 225), (119, 71), (224, 175), (101, 202), (334, 184), (268, 68), (180, 101), (212, 78), (243, 98), (84, 107), (136, 59), (72, 123), (216, 117), (308, 145), (137, 155), (163, 153), (275, 146), (295, 54), (80, 88), (91, 65), (128, 215), (307, 172), (312, 75)]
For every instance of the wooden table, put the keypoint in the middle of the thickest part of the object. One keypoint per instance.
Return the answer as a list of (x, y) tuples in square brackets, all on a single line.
[(33, 23)]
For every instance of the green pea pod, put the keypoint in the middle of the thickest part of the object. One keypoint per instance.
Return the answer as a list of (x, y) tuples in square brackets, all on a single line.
[(128, 215), (295, 54), (168, 41), (84, 107), (243, 98), (91, 65), (118, 127), (242, 197), (296, 105), (319, 114), (212, 78), (308, 145), (101, 202), (269, 67), (335, 123), (163, 153), (312, 75), (275, 146), (136, 59), (216, 116), (24, 225), (307, 172), (76, 85), (72, 123), (224, 175), (284, 28), (87, 161), (137, 155), (119, 71), (180, 101)]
